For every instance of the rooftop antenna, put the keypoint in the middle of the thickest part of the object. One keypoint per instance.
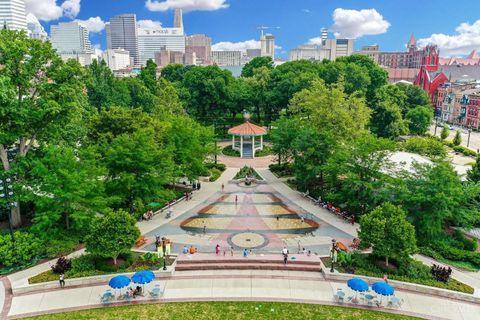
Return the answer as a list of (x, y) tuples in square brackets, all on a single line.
[(263, 28)]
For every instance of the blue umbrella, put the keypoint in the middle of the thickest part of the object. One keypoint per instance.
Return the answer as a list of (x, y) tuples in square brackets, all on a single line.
[(142, 277), (119, 282), (357, 284), (383, 288)]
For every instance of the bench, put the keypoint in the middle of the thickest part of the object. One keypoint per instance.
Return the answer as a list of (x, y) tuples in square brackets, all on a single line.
[(140, 241)]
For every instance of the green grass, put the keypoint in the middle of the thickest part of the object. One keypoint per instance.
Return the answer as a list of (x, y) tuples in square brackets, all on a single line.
[(224, 311)]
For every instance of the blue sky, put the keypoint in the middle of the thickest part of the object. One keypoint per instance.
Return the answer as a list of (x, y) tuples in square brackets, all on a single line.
[(388, 23)]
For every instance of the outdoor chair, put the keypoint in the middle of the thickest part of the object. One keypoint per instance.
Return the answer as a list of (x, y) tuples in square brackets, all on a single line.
[(395, 302), (107, 296), (156, 293), (339, 296)]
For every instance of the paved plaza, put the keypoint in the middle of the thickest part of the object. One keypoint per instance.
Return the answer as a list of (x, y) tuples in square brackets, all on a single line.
[(256, 217)]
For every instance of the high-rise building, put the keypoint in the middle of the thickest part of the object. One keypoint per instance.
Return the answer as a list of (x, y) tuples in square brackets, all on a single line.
[(116, 59), (12, 14), (253, 53), (331, 49), (35, 29), (227, 58), (165, 57), (122, 34), (151, 41), (178, 19), (201, 45), (267, 43), (70, 38)]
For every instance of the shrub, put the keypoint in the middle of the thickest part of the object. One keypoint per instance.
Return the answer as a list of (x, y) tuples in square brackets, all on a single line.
[(58, 248), (214, 174), (425, 146), (83, 263), (63, 265), (467, 244), (456, 254), (467, 152), (103, 264), (247, 172), (219, 166), (282, 170), (23, 251), (267, 150), (228, 151)]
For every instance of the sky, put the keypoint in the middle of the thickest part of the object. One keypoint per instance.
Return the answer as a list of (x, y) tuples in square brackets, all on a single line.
[(233, 24)]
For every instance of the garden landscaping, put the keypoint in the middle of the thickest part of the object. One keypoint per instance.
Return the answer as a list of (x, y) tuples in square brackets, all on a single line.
[(225, 310), (90, 265), (412, 271), (247, 172)]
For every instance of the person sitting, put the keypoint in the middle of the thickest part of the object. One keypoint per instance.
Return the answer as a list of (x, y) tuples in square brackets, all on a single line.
[(185, 250), (137, 291), (146, 216), (130, 292), (192, 249)]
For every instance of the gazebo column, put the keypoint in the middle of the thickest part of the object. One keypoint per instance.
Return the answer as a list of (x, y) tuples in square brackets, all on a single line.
[(233, 142), (253, 146), (241, 146), (261, 142)]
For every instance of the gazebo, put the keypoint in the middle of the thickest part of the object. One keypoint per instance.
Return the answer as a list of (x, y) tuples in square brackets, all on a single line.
[(247, 144)]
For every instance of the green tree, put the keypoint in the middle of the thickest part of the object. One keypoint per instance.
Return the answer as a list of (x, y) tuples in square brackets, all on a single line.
[(167, 99), (457, 140), (430, 194), (387, 120), (259, 82), (139, 95), (387, 230), (359, 173), (445, 132), (283, 135), (473, 175), (248, 69), (148, 75), (415, 97), (419, 120), (139, 166), (240, 98), (100, 84), (111, 235), (174, 72), (42, 98), (66, 189)]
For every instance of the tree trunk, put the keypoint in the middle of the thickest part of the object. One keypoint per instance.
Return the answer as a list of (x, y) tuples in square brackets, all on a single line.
[(386, 261), (67, 221), (115, 260), (16, 217)]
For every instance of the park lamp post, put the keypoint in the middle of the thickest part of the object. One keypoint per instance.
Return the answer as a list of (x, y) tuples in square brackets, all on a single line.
[(332, 254)]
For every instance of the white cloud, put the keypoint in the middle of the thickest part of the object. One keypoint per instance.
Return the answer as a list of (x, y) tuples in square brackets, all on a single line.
[(466, 39), (316, 40), (188, 5), (306, 10), (149, 24), (236, 46), (357, 23), (98, 49), (93, 24), (71, 8), (48, 10)]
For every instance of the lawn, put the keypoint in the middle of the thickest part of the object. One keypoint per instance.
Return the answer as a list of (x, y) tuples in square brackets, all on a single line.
[(223, 311)]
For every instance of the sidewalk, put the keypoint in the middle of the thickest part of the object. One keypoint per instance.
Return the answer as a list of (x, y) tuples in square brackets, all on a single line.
[(242, 285)]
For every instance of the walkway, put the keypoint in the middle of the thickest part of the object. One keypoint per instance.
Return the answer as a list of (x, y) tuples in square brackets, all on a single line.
[(226, 285)]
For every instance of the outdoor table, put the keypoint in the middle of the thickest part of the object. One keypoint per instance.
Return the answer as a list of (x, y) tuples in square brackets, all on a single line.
[(340, 293)]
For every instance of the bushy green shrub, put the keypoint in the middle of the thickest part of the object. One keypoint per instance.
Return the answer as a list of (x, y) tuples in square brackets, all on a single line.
[(267, 150), (104, 264), (214, 174), (452, 253), (228, 151), (219, 166), (57, 248), (83, 263), (23, 251), (247, 172), (425, 146), (467, 152)]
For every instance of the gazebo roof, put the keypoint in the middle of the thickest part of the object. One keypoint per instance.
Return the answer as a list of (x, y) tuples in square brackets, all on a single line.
[(247, 129)]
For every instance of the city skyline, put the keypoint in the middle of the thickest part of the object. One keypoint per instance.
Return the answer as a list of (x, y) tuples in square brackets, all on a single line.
[(456, 32)]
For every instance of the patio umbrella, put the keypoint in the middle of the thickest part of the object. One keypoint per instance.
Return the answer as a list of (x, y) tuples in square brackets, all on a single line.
[(142, 277), (119, 282), (341, 246), (357, 285), (383, 289)]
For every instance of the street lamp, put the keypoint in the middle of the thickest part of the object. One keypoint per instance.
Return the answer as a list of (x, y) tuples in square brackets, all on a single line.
[(332, 254)]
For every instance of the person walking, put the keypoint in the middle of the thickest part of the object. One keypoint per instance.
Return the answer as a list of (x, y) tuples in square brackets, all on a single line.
[(231, 251), (217, 249), (62, 280), (223, 187), (236, 200)]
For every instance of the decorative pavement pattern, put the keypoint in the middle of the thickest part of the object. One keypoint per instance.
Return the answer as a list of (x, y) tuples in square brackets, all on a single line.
[(255, 217)]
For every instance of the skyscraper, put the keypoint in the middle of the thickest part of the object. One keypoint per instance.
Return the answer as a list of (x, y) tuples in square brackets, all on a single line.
[(35, 29), (70, 38), (267, 42), (178, 19), (12, 14), (122, 34), (201, 45), (154, 40)]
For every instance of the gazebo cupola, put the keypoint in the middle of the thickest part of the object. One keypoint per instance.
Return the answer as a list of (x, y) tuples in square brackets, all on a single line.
[(251, 139)]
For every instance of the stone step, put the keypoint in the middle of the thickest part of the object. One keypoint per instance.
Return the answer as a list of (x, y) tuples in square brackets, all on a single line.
[(247, 266), (245, 261)]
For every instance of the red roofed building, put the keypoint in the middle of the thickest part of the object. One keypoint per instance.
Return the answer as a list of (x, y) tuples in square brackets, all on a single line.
[(247, 144)]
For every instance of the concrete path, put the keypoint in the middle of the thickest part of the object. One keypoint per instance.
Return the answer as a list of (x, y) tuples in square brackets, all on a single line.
[(243, 285), (307, 204)]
